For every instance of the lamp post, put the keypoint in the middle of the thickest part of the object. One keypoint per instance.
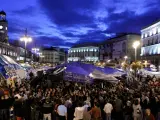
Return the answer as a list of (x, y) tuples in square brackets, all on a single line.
[(135, 45), (26, 39)]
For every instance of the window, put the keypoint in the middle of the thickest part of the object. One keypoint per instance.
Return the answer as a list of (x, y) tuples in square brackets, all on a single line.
[(156, 39), (124, 47), (148, 43)]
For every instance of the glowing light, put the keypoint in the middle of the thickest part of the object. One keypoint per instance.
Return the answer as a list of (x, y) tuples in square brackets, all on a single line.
[(35, 49), (125, 57), (136, 44), (122, 64), (146, 35), (158, 30), (26, 39), (41, 56), (108, 61), (150, 33), (154, 31), (1, 27)]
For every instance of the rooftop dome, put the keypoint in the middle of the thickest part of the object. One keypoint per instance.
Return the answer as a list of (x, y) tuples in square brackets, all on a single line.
[(2, 13)]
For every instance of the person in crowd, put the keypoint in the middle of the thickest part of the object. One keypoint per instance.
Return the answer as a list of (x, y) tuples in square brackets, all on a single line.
[(78, 114), (128, 110), (18, 108), (108, 109), (137, 110), (47, 109), (34, 100), (118, 108), (86, 114), (96, 112), (149, 115), (62, 111)]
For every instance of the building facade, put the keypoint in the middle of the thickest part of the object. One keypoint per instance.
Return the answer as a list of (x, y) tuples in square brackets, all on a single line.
[(88, 53), (150, 39), (21, 55), (118, 47), (5, 47), (53, 55)]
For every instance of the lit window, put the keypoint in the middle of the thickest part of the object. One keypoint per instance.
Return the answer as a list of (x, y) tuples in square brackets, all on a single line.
[(158, 30), (146, 35), (150, 33), (6, 28), (1, 27), (154, 31), (142, 36)]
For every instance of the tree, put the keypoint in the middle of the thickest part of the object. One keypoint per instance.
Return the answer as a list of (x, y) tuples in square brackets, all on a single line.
[(136, 66)]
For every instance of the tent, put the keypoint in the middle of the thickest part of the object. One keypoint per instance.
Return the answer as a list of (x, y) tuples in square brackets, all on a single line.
[(148, 71), (8, 67), (83, 72)]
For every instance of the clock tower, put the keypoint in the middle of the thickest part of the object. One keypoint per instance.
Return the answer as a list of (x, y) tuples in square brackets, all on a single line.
[(3, 27)]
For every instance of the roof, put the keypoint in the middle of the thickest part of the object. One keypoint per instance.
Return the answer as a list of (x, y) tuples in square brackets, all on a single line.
[(85, 45), (50, 48), (119, 35), (151, 24)]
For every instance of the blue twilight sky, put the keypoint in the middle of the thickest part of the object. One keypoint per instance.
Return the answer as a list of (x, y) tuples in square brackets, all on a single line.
[(66, 22)]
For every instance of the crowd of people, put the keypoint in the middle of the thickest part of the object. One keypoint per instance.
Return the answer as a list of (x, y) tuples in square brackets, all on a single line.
[(79, 101)]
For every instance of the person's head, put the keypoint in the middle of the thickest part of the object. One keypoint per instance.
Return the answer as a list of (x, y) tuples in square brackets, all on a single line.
[(136, 102), (128, 103), (47, 100), (6, 96), (2, 98), (96, 104), (148, 111), (80, 104), (16, 98)]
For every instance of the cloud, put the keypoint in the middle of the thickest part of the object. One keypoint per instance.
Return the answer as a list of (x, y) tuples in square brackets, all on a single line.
[(67, 22), (130, 22), (68, 12)]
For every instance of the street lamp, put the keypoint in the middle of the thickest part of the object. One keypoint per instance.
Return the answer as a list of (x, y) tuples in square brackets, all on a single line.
[(26, 39), (39, 53), (125, 57), (35, 50), (135, 45)]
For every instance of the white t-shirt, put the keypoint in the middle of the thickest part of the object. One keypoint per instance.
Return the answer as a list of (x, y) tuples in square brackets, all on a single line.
[(108, 108), (62, 110), (79, 113)]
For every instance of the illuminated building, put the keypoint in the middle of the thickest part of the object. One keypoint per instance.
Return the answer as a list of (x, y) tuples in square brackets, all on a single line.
[(53, 55), (5, 47), (150, 39), (85, 53), (118, 47)]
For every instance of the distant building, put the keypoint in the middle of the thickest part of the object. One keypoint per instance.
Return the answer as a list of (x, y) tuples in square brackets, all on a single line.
[(5, 47), (21, 55), (150, 38), (84, 53), (118, 47), (53, 55)]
